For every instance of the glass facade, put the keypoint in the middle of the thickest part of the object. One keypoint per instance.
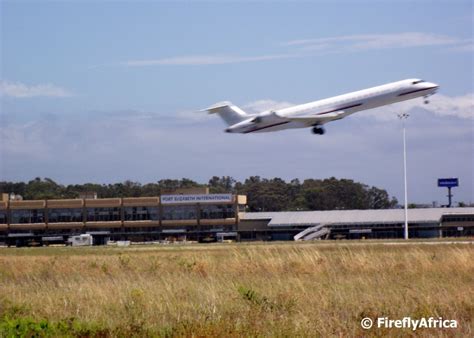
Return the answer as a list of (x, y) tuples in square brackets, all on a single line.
[(177, 212), (140, 214), (103, 214), (64, 215), (27, 216), (3, 217), (142, 229), (458, 218), (217, 211), (143, 213)]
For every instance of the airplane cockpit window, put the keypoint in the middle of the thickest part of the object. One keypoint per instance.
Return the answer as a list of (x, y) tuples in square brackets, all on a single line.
[(418, 81)]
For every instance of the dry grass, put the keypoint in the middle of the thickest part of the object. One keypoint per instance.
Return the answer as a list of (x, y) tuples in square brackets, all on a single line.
[(233, 290)]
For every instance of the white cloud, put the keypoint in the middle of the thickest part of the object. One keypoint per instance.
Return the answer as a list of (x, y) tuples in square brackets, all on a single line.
[(467, 47), (27, 139), (360, 42), (311, 47), (441, 105), (460, 106), (197, 60), (21, 90), (265, 104), (192, 115)]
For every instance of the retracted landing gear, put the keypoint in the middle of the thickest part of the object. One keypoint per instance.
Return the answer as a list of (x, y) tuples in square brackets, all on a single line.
[(318, 130)]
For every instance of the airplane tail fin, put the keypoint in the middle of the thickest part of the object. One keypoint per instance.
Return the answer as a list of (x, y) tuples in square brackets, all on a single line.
[(228, 112)]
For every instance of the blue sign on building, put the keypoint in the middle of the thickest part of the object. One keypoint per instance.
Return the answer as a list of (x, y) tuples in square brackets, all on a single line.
[(448, 182)]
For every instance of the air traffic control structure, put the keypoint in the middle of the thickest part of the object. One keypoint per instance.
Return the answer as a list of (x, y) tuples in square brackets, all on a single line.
[(207, 217)]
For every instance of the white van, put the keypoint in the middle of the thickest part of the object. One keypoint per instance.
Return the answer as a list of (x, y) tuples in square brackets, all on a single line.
[(81, 240)]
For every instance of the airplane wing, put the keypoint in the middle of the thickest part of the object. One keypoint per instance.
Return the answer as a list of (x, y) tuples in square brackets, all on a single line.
[(317, 118)]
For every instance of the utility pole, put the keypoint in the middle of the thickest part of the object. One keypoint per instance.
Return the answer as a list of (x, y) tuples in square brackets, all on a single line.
[(403, 117), (449, 197)]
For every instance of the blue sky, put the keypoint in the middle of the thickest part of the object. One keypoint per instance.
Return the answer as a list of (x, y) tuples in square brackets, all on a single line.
[(114, 87)]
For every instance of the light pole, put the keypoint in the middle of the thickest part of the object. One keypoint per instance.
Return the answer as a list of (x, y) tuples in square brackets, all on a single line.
[(403, 117)]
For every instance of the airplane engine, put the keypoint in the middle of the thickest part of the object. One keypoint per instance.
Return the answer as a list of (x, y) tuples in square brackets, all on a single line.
[(266, 118)]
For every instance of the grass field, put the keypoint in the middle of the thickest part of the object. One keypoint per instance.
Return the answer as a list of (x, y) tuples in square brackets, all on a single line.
[(274, 289)]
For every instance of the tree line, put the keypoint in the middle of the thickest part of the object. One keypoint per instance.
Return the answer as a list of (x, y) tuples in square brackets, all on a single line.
[(263, 194)]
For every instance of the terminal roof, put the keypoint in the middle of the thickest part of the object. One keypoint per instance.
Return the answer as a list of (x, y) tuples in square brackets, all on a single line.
[(382, 216)]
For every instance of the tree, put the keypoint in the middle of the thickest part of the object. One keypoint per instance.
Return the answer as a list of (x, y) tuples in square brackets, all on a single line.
[(151, 189), (263, 194), (13, 188), (379, 199), (43, 189), (332, 193), (187, 183), (224, 184), (168, 184)]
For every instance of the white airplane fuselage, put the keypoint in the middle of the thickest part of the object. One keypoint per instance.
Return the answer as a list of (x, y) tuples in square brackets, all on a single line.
[(318, 113)]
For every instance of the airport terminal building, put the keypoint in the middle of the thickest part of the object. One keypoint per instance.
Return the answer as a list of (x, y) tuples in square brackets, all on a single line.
[(209, 217), (191, 217), (358, 224)]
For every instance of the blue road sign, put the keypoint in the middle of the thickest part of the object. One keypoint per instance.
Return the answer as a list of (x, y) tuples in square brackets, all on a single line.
[(448, 182)]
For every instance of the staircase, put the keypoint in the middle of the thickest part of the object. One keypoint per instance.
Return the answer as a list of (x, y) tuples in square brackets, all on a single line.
[(316, 232)]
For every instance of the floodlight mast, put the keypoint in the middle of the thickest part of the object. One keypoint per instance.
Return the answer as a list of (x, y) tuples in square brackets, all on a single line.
[(403, 117)]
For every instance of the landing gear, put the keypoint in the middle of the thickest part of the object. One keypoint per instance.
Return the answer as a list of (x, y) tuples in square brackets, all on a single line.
[(318, 130), (426, 101)]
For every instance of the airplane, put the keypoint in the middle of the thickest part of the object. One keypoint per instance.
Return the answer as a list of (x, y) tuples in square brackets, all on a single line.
[(317, 113)]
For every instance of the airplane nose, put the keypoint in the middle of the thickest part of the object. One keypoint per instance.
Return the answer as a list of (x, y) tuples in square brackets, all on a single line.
[(228, 130)]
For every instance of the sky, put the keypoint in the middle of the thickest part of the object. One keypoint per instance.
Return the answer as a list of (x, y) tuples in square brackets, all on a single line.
[(107, 91)]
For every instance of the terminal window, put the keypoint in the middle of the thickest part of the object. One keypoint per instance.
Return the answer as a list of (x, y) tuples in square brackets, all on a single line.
[(140, 213), (103, 214), (64, 215), (217, 211), (177, 212), (3, 217), (27, 216)]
